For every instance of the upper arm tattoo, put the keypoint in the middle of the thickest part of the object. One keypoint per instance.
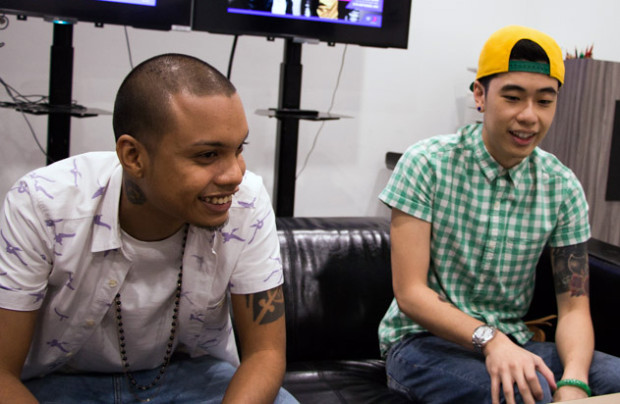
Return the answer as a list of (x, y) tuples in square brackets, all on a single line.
[(570, 269), (267, 306)]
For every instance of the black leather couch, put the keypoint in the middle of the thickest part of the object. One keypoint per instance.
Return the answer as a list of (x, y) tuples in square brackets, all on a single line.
[(338, 286)]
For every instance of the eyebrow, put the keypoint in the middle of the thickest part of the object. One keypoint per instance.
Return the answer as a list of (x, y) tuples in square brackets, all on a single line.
[(219, 144), (515, 87)]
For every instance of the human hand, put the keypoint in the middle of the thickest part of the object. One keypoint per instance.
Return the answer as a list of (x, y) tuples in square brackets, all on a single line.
[(508, 365)]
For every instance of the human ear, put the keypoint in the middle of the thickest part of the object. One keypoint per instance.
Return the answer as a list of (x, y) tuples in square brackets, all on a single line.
[(132, 155), (479, 95)]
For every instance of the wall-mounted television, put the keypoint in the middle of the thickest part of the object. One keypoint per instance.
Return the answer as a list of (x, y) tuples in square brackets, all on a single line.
[(150, 14), (378, 23)]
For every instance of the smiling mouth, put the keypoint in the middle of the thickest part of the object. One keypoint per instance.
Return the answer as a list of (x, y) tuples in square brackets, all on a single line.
[(217, 200), (522, 135)]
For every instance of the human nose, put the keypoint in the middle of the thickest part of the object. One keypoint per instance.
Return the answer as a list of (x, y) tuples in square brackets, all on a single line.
[(232, 171), (527, 113)]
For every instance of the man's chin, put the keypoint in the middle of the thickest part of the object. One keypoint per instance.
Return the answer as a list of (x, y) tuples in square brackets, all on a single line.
[(212, 227)]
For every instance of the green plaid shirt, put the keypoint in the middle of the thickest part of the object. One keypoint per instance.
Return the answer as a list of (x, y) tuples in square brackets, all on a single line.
[(489, 225)]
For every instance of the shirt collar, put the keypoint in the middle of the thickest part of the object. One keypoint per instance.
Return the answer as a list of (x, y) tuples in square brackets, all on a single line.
[(490, 168), (105, 227)]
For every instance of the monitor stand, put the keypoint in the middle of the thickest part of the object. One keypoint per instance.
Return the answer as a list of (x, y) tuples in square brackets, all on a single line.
[(60, 107), (288, 115), (60, 90)]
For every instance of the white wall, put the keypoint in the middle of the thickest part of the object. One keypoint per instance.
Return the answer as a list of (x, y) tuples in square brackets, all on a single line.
[(395, 97)]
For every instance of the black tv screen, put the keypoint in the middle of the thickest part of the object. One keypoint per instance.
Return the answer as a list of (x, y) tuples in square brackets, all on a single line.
[(379, 23), (151, 14)]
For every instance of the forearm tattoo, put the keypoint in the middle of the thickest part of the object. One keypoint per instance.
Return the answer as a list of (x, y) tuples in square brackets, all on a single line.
[(134, 193), (267, 306), (570, 269)]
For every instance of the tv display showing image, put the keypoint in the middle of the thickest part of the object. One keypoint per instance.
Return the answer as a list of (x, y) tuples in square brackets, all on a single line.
[(378, 23), (149, 14)]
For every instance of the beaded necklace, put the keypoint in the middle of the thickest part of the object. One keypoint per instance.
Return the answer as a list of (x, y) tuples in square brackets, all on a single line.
[(133, 383)]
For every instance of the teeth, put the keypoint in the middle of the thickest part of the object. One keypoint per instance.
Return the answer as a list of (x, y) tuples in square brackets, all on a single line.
[(218, 201), (522, 135)]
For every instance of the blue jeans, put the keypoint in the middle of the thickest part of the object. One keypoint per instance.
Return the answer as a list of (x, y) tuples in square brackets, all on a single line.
[(191, 381), (429, 369)]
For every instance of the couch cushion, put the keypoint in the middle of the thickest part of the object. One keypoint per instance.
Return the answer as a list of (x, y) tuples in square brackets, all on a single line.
[(337, 286), (331, 382)]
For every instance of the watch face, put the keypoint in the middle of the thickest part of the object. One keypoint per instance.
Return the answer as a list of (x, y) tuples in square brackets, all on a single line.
[(486, 333), (482, 335)]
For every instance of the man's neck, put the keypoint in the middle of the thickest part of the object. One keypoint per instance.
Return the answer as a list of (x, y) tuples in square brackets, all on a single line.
[(139, 222)]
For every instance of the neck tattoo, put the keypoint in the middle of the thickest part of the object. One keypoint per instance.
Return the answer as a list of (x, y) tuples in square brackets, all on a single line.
[(133, 383), (134, 193)]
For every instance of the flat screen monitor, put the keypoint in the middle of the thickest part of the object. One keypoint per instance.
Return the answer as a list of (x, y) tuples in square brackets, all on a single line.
[(151, 14), (379, 23)]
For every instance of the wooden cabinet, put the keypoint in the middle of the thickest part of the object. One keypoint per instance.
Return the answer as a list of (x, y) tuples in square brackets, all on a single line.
[(581, 136)]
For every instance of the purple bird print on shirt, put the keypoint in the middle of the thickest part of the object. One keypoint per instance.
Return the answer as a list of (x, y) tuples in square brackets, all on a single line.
[(52, 223), (231, 235), (98, 222), (21, 188), (99, 192), (274, 272), (208, 344), (37, 296), (200, 260), (11, 249), (57, 344), (247, 205), (278, 260), (60, 315), (186, 296), (69, 283), (196, 317), (58, 237), (257, 226), (38, 187), (76, 173)]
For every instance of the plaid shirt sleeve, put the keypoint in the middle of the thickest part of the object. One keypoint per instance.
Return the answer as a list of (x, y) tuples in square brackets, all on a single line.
[(410, 186), (573, 226)]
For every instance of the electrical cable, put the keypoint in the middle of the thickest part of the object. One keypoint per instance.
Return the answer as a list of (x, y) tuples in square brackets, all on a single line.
[(331, 106), (23, 100), (128, 48), (232, 56)]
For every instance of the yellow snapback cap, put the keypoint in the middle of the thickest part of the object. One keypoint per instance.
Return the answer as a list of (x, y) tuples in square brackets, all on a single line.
[(495, 55)]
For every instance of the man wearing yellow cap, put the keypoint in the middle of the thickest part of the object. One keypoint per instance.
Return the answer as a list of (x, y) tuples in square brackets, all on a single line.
[(471, 214)]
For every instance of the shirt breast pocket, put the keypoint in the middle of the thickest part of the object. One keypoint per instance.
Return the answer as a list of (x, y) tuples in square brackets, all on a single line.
[(216, 323)]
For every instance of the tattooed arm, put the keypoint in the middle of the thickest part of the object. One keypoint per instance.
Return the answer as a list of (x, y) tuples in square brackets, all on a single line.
[(259, 321), (574, 335)]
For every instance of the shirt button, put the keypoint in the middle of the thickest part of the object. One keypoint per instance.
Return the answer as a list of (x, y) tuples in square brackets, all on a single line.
[(112, 283), (496, 206), (89, 323)]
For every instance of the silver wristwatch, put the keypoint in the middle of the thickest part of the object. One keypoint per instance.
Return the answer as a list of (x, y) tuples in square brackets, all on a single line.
[(482, 335)]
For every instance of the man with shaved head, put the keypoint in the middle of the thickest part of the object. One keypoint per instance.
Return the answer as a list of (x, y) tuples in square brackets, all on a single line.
[(121, 270)]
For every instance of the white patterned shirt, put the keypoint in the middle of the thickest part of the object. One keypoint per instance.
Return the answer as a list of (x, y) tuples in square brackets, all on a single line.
[(63, 255)]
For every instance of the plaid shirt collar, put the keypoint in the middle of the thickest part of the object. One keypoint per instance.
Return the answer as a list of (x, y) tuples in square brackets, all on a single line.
[(490, 168)]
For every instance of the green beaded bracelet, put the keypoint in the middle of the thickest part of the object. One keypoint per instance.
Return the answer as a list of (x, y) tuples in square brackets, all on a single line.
[(575, 383)]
